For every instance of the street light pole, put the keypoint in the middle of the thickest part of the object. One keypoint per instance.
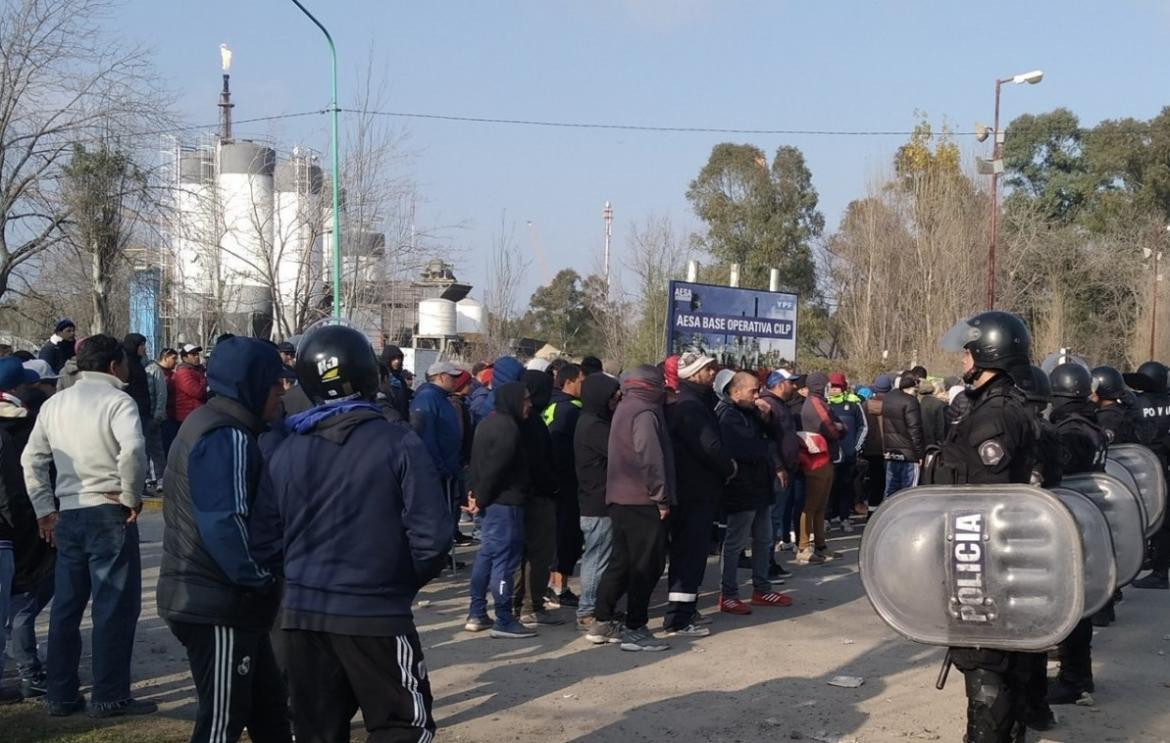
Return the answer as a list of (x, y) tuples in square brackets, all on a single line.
[(1154, 306), (994, 202), (333, 110), (1031, 78)]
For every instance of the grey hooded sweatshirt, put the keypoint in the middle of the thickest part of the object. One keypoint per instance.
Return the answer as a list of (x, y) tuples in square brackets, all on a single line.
[(640, 471)]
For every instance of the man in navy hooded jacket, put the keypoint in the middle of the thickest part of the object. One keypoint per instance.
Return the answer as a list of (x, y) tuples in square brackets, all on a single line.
[(358, 524), (212, 591), (505, 370)]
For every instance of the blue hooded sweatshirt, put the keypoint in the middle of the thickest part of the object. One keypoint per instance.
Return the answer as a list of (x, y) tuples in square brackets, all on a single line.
[(506, 369), (433, 418), (362, 519)]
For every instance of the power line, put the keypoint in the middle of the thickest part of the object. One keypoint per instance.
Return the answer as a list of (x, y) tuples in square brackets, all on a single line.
[(644, 128)]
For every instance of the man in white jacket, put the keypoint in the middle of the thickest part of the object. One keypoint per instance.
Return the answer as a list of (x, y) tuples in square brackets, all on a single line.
[(91, 433)]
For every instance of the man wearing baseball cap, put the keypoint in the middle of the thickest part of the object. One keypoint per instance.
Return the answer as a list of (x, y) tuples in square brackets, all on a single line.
[(434, 419), (781, 388), (189, 382)]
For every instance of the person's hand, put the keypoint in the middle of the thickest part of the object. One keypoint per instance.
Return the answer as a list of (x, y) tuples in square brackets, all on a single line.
[(663, 513), (133, 517), (764, 408), (782, 476), (472, 507), (839, 426), (45, 526)]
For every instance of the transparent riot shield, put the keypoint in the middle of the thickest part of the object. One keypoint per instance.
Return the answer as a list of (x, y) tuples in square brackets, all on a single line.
[(1097, 542), (991, 566), (1145, 469), (1123, 511)]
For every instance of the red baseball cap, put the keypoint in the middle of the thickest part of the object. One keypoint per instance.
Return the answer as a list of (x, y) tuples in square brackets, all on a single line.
[(837, 379)]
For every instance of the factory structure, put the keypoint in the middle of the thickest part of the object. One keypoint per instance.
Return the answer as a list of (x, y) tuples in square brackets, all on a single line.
[(249, 244)]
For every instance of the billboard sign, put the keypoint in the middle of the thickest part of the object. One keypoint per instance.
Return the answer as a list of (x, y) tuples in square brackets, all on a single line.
[(741, 328)]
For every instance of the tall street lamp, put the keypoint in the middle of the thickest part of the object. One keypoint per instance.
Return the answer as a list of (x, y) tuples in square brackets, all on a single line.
[(336, 168), (1031, 78)]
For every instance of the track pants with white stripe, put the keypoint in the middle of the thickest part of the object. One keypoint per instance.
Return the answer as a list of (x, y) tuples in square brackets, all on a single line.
[(238, 684), (331, 676)]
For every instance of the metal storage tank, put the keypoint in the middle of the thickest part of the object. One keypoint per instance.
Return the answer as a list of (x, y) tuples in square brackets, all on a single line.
[(297, 248), (246, 197), (196, 240), (436, 318), (469, 317)]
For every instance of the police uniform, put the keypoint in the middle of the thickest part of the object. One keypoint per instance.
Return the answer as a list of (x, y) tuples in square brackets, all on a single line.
[(1154, 431), (1118, 423), (994, 443), (1083, 449)]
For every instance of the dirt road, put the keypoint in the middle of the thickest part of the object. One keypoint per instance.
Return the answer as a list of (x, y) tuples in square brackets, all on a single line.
[(762, 677)]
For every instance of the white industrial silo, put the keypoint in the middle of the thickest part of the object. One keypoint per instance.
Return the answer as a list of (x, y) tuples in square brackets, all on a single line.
[(436, 318), (246, 201), (299, 215), (469, 317), (195, 238)]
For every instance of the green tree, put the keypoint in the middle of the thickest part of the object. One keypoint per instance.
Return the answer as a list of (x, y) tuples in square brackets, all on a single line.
[(1044, 161), (104, 190), (559, 313), (759, 216)]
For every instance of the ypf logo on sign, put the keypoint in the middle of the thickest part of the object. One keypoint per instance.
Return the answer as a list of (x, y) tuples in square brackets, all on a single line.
[(968, 565)]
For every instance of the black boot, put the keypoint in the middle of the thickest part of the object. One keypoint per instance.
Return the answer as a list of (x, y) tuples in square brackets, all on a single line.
[(989, 708), (1154, 580), (1066, 691)]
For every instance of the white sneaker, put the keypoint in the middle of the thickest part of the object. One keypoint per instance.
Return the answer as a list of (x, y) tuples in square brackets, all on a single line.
[(847, 526), (787, 546)]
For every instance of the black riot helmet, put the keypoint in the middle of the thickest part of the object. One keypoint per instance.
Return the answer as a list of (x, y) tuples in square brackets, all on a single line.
[(1151, 376), (336, 362), (996, 340), (1072, 381), (1035, 386), (1110, 383)]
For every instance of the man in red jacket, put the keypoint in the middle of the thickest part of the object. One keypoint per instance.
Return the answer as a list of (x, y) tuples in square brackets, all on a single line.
[(189, 382)]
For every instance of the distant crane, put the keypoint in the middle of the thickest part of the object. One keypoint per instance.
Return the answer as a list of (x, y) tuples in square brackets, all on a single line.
[(534, 238)]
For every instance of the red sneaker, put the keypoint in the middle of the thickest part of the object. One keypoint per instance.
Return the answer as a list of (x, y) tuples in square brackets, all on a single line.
[(771, 598), (733, 606)]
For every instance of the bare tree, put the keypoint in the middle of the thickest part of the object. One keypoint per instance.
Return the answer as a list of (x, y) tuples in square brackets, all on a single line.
[(657, 254), (505, 274), (62, 81)]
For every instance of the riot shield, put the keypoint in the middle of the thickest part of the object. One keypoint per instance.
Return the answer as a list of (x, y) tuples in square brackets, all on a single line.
[(1123, 511), (1145, 469), (990, 566), (1097, 542)]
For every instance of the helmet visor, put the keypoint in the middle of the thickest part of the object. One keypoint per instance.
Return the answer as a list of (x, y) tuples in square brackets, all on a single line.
[(957, 338), (1053, 360)]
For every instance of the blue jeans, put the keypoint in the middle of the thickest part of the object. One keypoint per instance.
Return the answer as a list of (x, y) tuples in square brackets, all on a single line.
[(598, 533), (97, 554), (744, 528), (501, 545), (22, 615), (900, 475), (7, 570)]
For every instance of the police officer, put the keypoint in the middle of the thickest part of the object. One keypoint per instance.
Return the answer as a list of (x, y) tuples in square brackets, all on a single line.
[(994, 443), (1115, 412), (1038, 394), (1153, 405), (1083, 447)]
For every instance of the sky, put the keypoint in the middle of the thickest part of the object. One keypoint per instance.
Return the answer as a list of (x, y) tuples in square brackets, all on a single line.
[(825, 65)]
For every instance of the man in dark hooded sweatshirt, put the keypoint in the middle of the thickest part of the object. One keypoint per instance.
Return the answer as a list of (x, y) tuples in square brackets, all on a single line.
[(356, 512), (639, 492), (213, 593), (540, 512), (599, 397), (505, 370), (501, 484), (396, 388), (137, 387)]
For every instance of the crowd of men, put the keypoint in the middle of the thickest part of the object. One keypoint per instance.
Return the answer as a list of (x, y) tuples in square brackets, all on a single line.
[(309, 492)]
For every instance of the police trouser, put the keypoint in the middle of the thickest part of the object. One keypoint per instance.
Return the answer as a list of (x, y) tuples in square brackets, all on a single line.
[(1160, 549), (996, 682), (1076, 656)]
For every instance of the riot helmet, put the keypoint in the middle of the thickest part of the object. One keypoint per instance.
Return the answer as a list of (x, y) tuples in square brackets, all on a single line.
[(1071, 380), (1151, 376), (1035, 386), (997, 340), (1110, 384), (336, 362)]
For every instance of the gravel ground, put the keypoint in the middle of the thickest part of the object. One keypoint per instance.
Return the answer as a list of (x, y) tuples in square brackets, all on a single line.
[(756, 678)]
